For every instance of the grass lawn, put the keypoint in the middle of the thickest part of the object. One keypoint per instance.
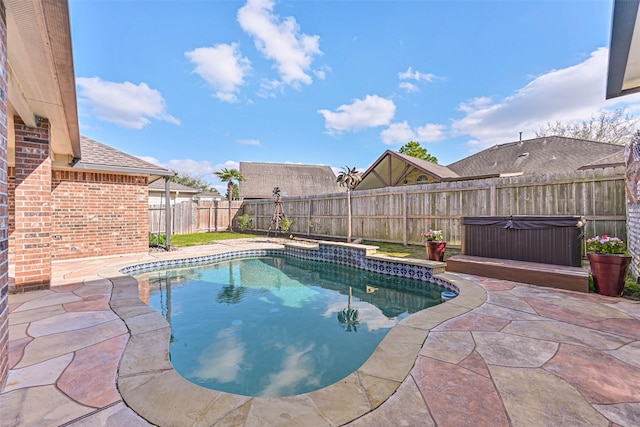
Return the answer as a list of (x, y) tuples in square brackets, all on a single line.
[(390, 249), (409, 251), (195, 239)]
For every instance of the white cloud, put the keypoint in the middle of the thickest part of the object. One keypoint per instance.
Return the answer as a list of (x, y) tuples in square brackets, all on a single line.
[(223, 67), (192, 167), (416, 75), (431, 133), (573, 93), (413, 75), (222, 359), (397, 133), (403, 133), (280, 40), (270, 88), (229, 164), (202, 169), (124, 104), (372, 111), (409, 87), (298, 368), (249, 142)]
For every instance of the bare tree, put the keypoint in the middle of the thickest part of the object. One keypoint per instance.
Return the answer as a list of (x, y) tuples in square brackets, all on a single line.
[(611, 126)]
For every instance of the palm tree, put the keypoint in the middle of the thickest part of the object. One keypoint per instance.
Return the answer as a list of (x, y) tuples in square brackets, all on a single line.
[(230, 176), (230, 294), (350, 178), (349, 316)]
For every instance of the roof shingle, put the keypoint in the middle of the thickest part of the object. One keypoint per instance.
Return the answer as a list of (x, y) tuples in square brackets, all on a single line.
[(292, 179), (97, 156), (551, 154)]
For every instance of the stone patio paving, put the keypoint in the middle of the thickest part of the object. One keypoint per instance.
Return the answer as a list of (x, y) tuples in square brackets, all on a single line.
[(528, 356)]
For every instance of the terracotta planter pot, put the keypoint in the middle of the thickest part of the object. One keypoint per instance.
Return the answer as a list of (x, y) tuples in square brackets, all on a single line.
[(609, 272), (435, 250)]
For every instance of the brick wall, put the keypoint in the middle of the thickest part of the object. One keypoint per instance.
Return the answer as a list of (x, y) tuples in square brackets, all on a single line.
[(4, 263), (31, 255), (98, 214)]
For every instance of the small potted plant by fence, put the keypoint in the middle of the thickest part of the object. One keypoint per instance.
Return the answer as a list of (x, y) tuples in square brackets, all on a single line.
[(435, 244), (609, 263)]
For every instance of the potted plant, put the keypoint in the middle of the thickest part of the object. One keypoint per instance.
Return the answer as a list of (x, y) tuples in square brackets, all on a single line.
[(609, 262), (435, 244)]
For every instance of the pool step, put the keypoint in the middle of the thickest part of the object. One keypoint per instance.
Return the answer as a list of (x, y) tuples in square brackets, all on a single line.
[(548, 275)]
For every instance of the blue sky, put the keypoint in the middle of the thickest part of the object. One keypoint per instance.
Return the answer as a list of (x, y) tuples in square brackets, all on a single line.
[(196, 86)]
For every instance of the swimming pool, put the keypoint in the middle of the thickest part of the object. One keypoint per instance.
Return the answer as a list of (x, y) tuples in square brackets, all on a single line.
[(278, 326)]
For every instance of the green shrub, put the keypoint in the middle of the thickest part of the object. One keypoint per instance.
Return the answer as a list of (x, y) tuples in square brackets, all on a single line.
[(285, 224), (245, 222), (156, 239)]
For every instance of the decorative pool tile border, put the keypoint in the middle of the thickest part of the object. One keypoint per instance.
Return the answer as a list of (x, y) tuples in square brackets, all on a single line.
[(357, 256)]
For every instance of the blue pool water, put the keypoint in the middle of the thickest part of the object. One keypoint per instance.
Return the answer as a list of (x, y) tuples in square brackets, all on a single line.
[(278, 326)]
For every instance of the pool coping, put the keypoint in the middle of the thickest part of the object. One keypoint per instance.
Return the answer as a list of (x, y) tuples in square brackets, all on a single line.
[(150, 385)]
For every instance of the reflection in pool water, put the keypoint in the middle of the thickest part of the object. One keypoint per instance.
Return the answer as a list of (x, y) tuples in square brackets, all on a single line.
[(278, 326)]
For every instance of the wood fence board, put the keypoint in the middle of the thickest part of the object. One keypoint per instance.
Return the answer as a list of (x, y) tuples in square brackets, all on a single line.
[(399, 214)]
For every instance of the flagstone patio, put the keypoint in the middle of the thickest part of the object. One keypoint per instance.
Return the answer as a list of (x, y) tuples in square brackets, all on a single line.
[(524, 356)]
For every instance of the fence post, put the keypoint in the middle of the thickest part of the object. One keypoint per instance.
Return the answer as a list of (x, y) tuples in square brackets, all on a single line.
[(405, 222), (492, 199), (309, 218), (167, 204), (210, 215)]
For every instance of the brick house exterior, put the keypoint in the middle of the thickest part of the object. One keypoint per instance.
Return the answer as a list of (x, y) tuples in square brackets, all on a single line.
[(46, 220), (113, 217)]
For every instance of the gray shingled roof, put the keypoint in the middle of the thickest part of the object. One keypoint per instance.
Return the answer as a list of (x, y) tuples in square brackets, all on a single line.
[(612, 160), (293, 180), (213, 193), (434, 169), (551, 154), (158, 185), (99, 157)]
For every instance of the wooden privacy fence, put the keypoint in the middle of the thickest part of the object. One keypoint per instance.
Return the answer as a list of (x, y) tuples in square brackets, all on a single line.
[(192, 217), (399, 214)]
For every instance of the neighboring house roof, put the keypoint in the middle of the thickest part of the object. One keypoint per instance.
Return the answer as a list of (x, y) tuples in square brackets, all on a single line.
[(392, 169), (174, 187), (100, 157), (292, 179), (210, 194), (551, 154), (612, 160)]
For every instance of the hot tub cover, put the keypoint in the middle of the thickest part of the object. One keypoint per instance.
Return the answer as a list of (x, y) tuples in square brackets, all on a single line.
[(524, 222)]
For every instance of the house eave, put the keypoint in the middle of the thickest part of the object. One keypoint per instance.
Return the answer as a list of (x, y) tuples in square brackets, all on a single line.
[(623, 77), (41, 77)]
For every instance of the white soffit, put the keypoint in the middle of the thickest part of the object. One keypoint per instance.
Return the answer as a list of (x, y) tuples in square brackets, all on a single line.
[(40, 67), (632, 71)]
